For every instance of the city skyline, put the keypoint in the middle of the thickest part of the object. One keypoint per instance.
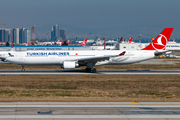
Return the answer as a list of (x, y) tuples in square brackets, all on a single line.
[(17, 35), (102, 18)]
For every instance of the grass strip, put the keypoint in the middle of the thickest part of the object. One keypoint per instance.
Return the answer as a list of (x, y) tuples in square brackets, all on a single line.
[(90, 88)]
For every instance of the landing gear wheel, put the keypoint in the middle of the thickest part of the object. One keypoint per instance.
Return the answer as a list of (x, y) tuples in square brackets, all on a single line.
[(93, 70), (88, 69)]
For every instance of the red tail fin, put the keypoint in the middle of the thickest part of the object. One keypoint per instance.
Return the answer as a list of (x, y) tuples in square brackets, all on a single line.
[(121, 39), (161, 40), (61, 43), (68, 41), (84, 42), (104, 43), (58, 40), (27, 44), (130, 40), (12, 45)]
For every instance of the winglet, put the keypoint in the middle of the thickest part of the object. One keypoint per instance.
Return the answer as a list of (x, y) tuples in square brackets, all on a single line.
[(122, 53), (161, 40)]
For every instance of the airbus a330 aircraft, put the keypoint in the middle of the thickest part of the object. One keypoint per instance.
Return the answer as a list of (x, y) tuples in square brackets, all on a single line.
[(72, 59)]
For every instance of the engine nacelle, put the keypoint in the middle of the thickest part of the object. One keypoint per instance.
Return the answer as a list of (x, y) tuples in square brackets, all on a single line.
[(70, 65)]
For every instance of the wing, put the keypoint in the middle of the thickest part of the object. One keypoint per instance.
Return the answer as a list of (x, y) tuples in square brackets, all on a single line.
[(98, 58)]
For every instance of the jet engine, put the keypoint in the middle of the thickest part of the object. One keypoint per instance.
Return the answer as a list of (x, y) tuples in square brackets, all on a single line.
[(70, 65)]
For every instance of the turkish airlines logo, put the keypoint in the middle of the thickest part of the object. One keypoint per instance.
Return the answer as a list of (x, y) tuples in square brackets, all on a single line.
[(160, 42)]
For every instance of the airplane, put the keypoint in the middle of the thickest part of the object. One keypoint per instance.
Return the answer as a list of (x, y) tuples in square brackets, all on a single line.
[(27, 44), (51, 43), (84, 42), (59, 43), (130, 40), (68, 41), (89, 58), (4, 54)]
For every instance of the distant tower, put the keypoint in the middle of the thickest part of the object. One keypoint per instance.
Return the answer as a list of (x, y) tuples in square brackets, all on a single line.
[(21, 35), (140, 35), (16, 35), (55, 33), (33, 36), (2, 31), (2, 25), (27, 35)]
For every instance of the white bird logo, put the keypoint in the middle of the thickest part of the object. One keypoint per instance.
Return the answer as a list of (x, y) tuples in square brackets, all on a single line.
[(159, 41)]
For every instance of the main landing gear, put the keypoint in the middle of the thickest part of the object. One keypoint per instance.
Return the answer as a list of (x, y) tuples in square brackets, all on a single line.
[(22, 68), (90, 68)]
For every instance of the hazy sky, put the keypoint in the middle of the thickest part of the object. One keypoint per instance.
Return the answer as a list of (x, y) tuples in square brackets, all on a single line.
[(91, 14)]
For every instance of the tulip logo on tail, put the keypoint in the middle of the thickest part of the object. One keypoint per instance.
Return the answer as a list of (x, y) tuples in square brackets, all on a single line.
[(160, 42)]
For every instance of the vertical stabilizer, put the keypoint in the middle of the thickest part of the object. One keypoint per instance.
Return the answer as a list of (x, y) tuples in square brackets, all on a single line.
[(161, 40)]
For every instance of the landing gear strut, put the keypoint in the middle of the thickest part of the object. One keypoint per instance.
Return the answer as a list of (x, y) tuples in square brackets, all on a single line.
[(90, 68), (22, 68)]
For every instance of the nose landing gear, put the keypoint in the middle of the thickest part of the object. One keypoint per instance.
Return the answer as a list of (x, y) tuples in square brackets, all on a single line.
[(22, 68)]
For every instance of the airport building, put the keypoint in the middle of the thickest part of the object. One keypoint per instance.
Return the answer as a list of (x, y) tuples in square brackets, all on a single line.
[(51, 47)]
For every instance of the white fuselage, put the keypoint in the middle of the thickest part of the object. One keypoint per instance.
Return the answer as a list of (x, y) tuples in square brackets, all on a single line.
[(4, 54), (58, 57)]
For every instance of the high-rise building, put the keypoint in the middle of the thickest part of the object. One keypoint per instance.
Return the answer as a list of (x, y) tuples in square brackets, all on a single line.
[(8, 35), (21, 35), (2, 35), (24, 35), (16, 35), (5, 35), (55, 33), (63, 34), (27, 35)]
